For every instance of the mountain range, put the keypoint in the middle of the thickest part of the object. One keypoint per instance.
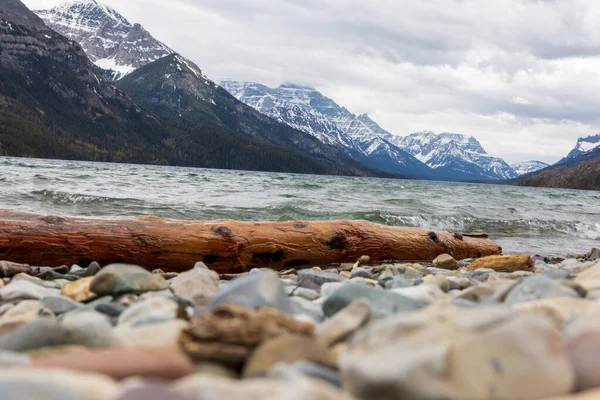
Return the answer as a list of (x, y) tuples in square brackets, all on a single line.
[(54, 103), (143, 102)]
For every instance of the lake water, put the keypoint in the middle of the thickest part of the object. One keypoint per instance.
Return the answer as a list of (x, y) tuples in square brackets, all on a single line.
[(545, 221)]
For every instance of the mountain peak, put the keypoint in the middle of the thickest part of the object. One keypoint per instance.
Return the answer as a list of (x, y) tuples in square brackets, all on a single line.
[(107, 37)]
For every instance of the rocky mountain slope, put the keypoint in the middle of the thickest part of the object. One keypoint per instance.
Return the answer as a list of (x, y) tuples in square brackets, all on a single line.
[(175, 88), (584, 145), (425, 155), (54, 103), (455, 156), (306, 109), (527, 167), (109, 40), (581, 172)]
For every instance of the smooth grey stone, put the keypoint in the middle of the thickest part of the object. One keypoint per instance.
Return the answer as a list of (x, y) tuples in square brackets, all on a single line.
[(537, 287), (557, 274), (412, 274), (22, 289), (88, 328), (112, 309), (53, 275), (44, 332), (328, 288), (312, 279), (305, 293), (398, 282), (256, 290), (383, 303), (91, 270), (301, 306), (316, 371), (60, 304), (117, 279), (361, 273), (418, 282), (479, 276)]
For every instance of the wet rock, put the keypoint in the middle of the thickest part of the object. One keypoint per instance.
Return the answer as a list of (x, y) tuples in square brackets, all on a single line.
[(23, 383), (504, 263), (287, 349), (117, 279), (79, 290), (230, 332), (24, 290), (445, 261), (60, 304), (311, 279), (153, 310), (537, 287), (262, 289), (199, 285), (161, 363), (457, 353), (343, 324), (383, 303)]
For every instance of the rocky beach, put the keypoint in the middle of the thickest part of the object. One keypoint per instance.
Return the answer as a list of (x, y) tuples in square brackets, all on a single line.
[(499, 327)]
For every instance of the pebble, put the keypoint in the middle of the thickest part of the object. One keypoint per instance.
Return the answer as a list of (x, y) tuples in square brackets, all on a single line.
[(117, 279), (343, 324), (537, 287), (199, 285), (305, 293), (424, 294), (60, 304), (22, 289), (79, 290), (361, 273), (445, 261), (311, 279), (255, 290), (149, 311), (383, 303)]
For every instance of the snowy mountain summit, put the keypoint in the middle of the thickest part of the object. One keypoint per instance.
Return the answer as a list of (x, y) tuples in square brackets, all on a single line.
[(455, 156), (306, 109), (109, 40), (584, 145)]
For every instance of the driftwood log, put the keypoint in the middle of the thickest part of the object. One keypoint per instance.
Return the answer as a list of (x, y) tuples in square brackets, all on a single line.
[(225, 246)]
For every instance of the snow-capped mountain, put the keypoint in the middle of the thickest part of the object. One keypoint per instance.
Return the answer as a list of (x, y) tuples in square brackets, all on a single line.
[(308, 110), (584, 145), (455, 156), (527, 167), (109, 40)]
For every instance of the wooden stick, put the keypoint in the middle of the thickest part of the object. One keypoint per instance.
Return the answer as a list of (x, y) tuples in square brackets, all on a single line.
[(225, 246)]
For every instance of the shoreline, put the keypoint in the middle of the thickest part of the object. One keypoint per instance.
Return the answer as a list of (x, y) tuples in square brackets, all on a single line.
[(357, 330)]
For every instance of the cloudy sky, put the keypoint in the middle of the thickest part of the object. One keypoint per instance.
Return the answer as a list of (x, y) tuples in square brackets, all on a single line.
[(522, 76)]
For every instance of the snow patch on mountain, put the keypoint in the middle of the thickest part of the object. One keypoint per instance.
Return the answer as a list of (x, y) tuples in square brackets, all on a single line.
[(584, 145), (308, 110), (108, 38), (453, 152)]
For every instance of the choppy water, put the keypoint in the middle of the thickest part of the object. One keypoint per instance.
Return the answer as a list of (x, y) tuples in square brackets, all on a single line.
[(547, 221)]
